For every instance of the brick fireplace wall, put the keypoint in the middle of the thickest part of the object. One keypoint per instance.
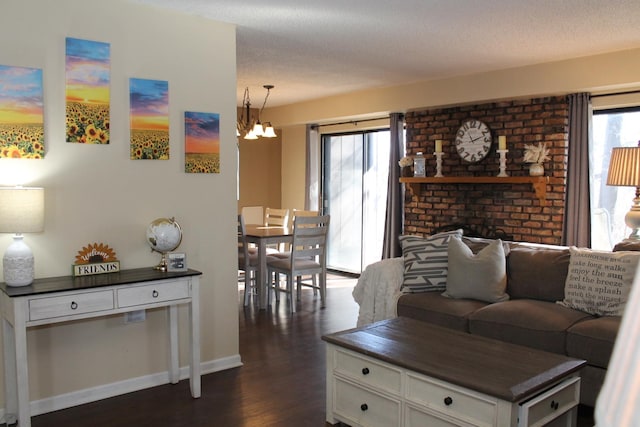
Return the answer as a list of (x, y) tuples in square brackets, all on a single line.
[(510, 208)]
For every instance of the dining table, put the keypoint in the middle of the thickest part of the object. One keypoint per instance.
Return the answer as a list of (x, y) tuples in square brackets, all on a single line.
[(262, 236)]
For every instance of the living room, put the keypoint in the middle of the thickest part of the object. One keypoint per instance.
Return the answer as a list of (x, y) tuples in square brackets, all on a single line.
[(93, 194)]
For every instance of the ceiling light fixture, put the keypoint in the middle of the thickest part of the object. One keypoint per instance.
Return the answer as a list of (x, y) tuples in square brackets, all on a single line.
[(251, 129)]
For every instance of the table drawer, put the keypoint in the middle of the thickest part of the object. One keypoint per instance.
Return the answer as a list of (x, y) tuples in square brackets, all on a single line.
[(478, 409), (415, 417), (362, 407), (366, 371), (70, 305), (152, 293), (551, 404)]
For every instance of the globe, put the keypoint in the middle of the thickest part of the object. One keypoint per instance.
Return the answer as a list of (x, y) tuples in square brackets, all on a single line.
[(164, 235)]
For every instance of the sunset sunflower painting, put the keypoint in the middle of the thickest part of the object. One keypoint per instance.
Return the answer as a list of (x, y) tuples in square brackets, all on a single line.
[(149, 112), (21, 113), (87, 91), (202, 142)]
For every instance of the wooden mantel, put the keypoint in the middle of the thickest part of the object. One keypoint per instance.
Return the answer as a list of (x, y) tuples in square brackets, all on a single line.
[(539, 183)]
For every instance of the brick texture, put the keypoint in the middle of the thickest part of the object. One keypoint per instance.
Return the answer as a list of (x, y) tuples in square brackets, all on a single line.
[(511, 208)]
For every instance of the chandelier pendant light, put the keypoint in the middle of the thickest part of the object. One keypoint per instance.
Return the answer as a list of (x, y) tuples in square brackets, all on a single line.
[(251, 129)]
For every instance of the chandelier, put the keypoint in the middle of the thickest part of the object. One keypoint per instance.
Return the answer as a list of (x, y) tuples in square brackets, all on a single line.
[(254, 129)]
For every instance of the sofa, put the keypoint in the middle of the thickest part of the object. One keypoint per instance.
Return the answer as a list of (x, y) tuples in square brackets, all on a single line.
[(526, 303)]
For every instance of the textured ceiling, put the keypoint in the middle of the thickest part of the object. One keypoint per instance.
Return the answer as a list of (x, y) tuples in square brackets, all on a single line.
[(314, 48)]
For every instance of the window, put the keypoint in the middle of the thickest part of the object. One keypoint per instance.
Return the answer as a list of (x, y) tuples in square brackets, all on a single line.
[(355, 170), (609, 204)]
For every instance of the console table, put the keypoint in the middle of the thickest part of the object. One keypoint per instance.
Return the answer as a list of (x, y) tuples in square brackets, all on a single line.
[(60, 299)]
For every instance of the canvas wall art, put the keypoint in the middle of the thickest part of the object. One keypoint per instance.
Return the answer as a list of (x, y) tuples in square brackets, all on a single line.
[(202, 142), (87, 91), (21, 113), (149, 114)]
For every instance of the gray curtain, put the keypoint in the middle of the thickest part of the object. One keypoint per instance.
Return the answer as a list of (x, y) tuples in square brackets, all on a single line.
[(577, 213), (395, 195), (312, 177)]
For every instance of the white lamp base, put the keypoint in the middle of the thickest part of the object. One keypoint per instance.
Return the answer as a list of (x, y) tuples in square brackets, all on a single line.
[(17, 263)]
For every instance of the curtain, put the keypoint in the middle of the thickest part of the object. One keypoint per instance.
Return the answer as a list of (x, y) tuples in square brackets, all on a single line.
[(577, 213), (395, 195), (312, 177)]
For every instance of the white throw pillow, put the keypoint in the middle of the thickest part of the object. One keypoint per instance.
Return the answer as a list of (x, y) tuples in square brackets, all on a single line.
[(599, 282), (482, 277), (425, 261)]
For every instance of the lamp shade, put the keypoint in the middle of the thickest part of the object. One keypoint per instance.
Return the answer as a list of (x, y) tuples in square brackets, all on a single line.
[(269, 132), (624, 167), (21, 209)]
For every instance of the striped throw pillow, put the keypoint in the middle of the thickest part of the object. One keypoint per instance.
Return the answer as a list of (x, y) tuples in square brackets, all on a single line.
[(425, 261)]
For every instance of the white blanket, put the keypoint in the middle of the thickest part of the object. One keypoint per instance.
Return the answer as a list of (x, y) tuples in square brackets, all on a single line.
[(378, 289)]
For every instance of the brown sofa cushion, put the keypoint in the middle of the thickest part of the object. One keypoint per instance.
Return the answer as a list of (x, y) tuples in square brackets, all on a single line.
[(432, 307), (537, 273), (537, 324), (593, 339)]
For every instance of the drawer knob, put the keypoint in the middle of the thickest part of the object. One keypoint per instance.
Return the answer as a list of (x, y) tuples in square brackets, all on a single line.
[(448, 400), (154, 294), (554, 405), (365, 371), (74, 305), (364, 407)]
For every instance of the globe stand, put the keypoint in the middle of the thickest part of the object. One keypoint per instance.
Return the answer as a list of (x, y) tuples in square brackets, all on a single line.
[(163, 263), (164, 235)]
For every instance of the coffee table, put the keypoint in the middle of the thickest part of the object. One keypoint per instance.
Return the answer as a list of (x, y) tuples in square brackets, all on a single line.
[(404, 372)]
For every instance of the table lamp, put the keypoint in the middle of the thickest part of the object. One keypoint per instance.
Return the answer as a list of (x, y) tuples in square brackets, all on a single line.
[(21, 211), (624, 170)]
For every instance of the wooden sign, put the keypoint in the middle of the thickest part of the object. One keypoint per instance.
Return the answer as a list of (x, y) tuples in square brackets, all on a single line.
[(96, 258)]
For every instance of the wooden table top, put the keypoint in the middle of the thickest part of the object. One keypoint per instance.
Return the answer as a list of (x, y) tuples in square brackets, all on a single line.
[(503, 370), (70, 283), (267, 231)]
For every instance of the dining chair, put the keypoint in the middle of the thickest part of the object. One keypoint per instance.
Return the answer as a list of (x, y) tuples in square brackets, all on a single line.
[(247, 262), (278, 218), (253, 214), (286, 250), (308, 257)]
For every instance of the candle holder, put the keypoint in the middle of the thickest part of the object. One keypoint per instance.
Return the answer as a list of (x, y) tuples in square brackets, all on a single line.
[(438, 155), (503, 162)]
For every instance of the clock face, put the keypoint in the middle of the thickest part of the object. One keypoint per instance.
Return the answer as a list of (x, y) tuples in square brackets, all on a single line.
[(473, 141)]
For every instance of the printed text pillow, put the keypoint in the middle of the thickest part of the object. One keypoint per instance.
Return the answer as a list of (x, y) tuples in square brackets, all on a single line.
[(599, 282)]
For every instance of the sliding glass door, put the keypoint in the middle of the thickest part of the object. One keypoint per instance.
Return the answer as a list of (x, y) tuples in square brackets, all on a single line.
[(354, 192)]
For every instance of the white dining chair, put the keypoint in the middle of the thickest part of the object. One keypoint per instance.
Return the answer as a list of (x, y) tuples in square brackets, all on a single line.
[(247, 262), (308, 257), (253, 214), (277, 217)]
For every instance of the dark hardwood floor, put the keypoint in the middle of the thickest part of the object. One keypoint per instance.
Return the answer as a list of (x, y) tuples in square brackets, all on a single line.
[(280, 384)]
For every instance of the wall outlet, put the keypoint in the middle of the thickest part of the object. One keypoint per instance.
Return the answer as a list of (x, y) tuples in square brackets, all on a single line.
[(135, 316)]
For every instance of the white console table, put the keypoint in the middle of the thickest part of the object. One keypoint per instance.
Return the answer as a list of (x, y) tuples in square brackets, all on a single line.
[(61, 299)]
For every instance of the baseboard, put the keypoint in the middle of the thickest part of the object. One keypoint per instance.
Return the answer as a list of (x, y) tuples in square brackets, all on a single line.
[(105, 391)]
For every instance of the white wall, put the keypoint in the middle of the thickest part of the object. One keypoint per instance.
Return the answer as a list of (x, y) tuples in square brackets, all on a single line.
[(96, 194)]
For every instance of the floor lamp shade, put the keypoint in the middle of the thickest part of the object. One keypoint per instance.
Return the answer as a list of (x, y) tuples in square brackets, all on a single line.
[(21, 211), (624, 171)]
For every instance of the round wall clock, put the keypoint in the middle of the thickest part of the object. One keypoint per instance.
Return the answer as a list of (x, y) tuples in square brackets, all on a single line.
[(473, 140)]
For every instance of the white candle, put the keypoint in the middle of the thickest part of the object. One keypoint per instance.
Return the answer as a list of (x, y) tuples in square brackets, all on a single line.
[(438, 146), (502, 142)]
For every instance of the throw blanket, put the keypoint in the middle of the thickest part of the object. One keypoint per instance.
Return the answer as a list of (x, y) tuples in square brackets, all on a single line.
[(378, 289)]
